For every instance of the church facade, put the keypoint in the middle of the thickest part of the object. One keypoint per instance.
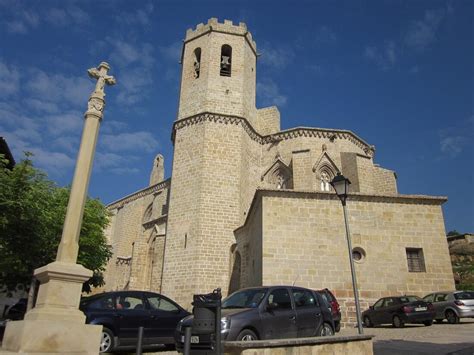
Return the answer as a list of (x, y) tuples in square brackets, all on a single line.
[(249, 204)]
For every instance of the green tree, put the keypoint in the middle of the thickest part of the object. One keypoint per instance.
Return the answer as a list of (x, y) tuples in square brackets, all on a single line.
[(32, 212)]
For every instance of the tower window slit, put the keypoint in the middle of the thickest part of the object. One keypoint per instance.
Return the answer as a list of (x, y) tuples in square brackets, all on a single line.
[(226, 60), (197, 62)]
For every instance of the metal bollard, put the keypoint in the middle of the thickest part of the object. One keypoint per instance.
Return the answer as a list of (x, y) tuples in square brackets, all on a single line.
[(140, 341), (187, 340)]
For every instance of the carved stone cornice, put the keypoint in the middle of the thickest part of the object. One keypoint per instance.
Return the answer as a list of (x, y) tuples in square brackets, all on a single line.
[(123, 260), (136, 195), (271, 138)]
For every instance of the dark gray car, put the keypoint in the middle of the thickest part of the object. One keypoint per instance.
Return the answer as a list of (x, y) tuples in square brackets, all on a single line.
[(452, 305), (267, 313)]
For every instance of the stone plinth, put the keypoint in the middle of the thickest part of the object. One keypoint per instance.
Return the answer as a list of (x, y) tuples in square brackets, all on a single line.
[(51, 337), (55, 325)]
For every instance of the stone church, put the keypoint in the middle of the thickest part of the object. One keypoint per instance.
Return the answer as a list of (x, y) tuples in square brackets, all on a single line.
[(250, 204)]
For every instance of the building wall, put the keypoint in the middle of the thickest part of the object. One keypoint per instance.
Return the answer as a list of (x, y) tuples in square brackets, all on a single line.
[(133, 220), (303, 242)]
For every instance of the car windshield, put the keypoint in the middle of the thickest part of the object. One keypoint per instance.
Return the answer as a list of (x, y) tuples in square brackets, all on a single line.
[(465, 295), (408, 299), (244, 299)]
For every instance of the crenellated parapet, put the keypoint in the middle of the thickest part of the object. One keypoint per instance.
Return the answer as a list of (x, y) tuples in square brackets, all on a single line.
[(226, 27)]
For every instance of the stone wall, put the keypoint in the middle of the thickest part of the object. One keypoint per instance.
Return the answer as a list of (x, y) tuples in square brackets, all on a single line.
[(133, 220), (303, 243), (354, 345)]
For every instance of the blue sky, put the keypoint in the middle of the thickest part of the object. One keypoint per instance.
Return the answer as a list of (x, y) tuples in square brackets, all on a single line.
[(397, 73)]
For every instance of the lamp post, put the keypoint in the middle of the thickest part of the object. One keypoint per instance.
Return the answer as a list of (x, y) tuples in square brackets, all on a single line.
[(341, 186)]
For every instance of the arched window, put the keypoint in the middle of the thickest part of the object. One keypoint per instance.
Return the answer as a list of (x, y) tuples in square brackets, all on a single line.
[(325, 179), (281, 179), (197, 62), (226, 60)]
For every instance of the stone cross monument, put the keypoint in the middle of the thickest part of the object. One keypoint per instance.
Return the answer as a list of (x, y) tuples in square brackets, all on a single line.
[(56, 325)]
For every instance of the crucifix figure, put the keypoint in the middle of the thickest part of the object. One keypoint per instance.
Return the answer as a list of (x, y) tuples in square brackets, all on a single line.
[(100, 74)]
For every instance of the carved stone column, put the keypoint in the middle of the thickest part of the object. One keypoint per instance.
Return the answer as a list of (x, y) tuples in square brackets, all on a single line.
[(56, 325)]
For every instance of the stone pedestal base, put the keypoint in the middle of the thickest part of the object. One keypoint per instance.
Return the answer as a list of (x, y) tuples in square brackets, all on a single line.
[(51, 337), (55, 325)]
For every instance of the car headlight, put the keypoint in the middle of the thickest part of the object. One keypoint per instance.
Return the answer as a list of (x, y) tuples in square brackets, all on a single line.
[(180, 325), (225, 324)]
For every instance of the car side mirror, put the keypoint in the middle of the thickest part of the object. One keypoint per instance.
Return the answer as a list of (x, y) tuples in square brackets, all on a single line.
[(371, 307)]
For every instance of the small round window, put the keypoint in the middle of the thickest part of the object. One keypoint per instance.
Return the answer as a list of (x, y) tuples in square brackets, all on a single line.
[(358, 254)]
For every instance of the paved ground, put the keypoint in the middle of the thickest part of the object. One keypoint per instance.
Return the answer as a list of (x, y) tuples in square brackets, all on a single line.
[(444, 338), (439, 339)]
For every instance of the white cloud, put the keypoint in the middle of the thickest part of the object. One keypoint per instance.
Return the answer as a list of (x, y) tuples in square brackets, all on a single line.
[(324, 35), (67, 143), (277, 57), (116, 163), (16, 27), (66, 15), (384, 57), (140, 16), (60, 88), (111, 126), (136, 64), (270, 94), (65, 123), (454, 139), (136, 141), (9, 79), (422, 33), (41, 105), (56, 163), (452, 145)]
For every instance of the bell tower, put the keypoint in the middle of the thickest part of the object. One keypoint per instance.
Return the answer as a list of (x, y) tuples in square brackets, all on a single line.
[(218, 71), (211, 183)]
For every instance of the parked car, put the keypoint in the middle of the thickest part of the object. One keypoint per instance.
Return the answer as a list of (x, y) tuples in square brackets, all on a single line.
[(452, 305), (266, 313), (329, 297), (15, 312), (399, 310), (121, 313)]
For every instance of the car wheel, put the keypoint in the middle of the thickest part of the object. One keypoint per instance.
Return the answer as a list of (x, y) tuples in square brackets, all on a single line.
[(325, 330), (397, 322), (247, 335), (452, 317), (439, 321), (428, 323), (106, 341), (367, 322)]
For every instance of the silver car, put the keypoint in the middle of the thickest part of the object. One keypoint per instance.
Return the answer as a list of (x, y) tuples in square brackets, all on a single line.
[(452, 305)]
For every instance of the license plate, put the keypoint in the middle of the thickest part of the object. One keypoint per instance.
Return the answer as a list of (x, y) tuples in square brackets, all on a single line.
[(194, 339), (419, 309)]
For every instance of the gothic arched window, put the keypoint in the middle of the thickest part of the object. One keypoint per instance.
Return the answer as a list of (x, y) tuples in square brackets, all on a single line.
[(325, 179), (281, 180), (197, 62), (226, 60)]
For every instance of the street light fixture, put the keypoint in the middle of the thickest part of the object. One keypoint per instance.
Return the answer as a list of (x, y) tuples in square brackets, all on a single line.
[(341, 186)]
